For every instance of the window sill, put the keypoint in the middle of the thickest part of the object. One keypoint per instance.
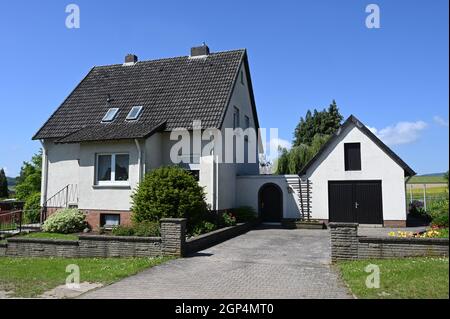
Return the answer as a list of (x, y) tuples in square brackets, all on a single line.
[(111, 186)]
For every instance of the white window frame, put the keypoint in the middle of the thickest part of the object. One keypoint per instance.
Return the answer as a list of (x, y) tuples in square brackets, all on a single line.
[(114, 110), (111, 182), (129, 118)]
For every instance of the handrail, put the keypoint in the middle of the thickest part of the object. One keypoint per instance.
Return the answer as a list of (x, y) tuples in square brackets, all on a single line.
[(60, 199)]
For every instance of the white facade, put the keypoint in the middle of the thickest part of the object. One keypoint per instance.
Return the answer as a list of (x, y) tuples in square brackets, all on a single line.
[(376, 164), (75, 164)]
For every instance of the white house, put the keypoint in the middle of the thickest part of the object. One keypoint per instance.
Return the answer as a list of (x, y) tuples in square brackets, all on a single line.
[(116, 125)]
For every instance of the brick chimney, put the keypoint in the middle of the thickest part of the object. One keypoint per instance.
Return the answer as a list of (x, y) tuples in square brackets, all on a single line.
[(200, 51), (131, 59)]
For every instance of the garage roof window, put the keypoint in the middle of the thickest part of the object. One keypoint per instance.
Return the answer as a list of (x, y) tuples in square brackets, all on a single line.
[(352, 153)]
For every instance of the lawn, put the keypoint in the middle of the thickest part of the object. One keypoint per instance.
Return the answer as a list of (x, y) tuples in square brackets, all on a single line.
[(30, 277), (411, 278), (43, 235)]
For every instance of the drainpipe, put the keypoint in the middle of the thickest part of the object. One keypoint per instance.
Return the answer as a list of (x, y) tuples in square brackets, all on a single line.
[(44, 173), (138, 146)]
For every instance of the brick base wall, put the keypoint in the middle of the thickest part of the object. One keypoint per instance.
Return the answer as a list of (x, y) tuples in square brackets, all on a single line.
[(93, 217), (346, 244), (395, 223)]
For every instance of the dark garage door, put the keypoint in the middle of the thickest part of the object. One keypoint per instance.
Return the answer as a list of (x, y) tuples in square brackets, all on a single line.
[(355, 202)]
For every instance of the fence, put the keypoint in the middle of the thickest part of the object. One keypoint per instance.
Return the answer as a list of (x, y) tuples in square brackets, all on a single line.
[(426, 194), (11, 221)]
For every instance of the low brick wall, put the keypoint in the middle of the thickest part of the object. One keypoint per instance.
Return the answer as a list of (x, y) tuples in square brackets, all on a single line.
[(391, 247), (347, 245), (119, 246), (171, 243), (217, 236), (29, 247)]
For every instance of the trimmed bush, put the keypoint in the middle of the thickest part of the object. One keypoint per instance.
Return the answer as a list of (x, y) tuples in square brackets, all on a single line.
[(244, 214), (143, 229), (169, 192), (32, 208), (65, 221)]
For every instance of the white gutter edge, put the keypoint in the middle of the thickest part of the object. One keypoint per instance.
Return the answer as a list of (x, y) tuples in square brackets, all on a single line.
[(138, 146), (44, 173)]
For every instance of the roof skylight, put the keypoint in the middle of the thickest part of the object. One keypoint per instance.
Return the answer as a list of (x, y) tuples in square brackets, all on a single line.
[(134, 113), (110, 115)]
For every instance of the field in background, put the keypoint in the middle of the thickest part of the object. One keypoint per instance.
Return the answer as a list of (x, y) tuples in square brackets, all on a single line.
[(428, 179)]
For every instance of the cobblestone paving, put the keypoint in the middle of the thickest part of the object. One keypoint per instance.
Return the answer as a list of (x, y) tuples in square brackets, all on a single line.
[(263, 263)]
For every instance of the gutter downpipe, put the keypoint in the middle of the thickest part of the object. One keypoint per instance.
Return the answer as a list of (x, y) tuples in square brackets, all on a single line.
[(44, 174), (138, 146)]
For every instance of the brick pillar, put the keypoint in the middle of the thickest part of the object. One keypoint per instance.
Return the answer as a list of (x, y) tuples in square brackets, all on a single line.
[(344, 241), (173, 236)]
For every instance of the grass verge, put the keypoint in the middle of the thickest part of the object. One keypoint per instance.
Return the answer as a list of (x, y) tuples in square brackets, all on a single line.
[(43, 235), (30, 277), (412, 278)]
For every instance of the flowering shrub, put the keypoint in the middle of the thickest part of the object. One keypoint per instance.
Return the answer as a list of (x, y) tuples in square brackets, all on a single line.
[(433, 232), (228, 219), (65, 221)]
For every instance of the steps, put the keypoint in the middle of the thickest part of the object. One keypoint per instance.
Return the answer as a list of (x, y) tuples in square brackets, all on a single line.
[(302, 190)]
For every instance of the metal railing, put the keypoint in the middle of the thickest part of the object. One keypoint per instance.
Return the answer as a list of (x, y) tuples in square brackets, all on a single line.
[(11, 221), (62, 199)]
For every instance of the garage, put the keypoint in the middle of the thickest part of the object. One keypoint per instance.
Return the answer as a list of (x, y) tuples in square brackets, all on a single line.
[(355, 201)]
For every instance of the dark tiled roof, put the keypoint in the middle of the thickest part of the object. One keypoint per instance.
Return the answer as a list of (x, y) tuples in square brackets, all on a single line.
[(175, 91), (112, 131), (353, 120)]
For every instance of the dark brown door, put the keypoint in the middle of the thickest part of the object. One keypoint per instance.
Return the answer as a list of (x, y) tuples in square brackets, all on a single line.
[(270, 203), (355, 201)]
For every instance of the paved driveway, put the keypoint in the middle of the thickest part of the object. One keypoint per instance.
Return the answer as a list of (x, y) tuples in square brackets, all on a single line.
[(263, 263)]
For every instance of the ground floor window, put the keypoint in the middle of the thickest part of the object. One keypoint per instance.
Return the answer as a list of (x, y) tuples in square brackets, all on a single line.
[(112, 169), (109, 220)]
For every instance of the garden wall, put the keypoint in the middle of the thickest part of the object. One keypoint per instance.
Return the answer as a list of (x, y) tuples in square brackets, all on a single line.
[(347, 245), (215, 237), (169, 244)]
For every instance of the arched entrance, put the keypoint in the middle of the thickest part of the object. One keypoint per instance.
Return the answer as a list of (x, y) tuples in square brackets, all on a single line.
[(270, 203)]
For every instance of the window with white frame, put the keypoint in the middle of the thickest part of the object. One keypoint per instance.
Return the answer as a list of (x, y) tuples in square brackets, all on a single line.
[(112, 169), (235, 118)]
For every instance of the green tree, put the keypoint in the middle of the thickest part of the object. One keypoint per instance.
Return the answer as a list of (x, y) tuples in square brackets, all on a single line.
[(311, 133), (324, 122), (3, 184), (29, 180)]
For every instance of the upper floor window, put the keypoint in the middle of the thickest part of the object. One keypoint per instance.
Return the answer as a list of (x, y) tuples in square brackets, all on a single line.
[(112, 169), (236, 118), (242, 77), (134, 113), (247, 122), (352, 154), (110, 115)]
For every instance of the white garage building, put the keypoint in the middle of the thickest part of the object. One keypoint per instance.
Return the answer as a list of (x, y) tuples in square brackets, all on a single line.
[(355, 177)]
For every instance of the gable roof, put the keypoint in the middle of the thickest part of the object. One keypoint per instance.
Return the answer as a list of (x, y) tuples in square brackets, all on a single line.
[(352, 120), (174, 91)]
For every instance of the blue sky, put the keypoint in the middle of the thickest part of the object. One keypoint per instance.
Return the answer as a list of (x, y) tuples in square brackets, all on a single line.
[(302, 55)]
